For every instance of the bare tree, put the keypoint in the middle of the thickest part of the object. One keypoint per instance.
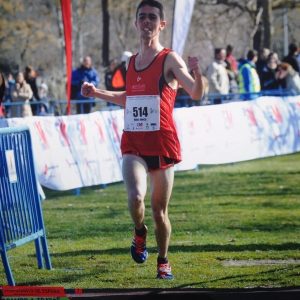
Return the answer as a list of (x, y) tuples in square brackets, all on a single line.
[(105, 37), (263, 35), (79, 11)]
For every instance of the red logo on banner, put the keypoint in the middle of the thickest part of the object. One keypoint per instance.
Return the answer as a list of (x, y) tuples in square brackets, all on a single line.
[(115, 129), (100, 130), (277, 115), (63, 130), (228, 118), (251, 116), (42, 134), (82, 129), (45, 169)]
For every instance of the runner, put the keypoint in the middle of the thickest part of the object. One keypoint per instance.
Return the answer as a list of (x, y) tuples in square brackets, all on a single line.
[(150, 145)]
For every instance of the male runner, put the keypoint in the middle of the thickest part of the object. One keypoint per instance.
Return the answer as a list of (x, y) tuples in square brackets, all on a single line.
[(150, 145)]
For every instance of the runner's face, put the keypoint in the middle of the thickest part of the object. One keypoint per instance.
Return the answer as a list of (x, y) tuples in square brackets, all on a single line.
[(148, 22)]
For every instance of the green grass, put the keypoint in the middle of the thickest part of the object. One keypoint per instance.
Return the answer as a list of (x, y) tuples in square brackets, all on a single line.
[(248, 210)]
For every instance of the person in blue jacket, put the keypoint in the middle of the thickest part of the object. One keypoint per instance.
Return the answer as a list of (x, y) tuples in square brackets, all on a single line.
[(85, 73), (249, 82)]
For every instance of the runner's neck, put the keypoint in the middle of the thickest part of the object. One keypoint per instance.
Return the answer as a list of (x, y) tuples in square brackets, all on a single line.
[(147, 55)]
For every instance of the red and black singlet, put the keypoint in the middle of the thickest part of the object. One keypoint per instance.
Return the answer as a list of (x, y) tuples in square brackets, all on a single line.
[(149, 126)]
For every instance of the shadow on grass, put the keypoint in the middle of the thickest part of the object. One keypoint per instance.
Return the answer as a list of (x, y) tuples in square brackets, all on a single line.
[(235, 248), (188, 248), (240, 277), (265, 227), (221, 189)]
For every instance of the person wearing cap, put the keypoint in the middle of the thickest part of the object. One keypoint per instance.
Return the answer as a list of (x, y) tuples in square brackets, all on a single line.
[(118, 79)]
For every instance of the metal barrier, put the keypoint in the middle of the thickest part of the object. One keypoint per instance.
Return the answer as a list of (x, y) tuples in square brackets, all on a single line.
[(21, 219), (54, 107), (211, 98), (59, 107), (39, 107)]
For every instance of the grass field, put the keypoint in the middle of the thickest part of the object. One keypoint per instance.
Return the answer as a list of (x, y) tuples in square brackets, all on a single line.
[(246, 211)]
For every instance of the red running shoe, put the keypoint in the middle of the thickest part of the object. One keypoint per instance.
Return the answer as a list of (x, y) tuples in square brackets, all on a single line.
[(164, 271), (138, 248)]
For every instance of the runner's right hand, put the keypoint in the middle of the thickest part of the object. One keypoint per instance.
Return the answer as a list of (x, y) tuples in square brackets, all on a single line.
[(87, 89)]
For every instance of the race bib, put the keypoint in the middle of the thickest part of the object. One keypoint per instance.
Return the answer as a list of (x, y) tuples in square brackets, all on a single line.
[(142, 113)]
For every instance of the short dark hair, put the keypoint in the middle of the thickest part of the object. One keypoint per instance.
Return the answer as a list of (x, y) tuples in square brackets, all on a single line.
[(152, 3), (229, 49), (293, 48), (218, 51), (270, 56), (251, 54)]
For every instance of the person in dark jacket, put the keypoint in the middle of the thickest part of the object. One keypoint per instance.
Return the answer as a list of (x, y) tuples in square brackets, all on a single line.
[(291, 58), (30, 76), (268, 78), (85, 73)]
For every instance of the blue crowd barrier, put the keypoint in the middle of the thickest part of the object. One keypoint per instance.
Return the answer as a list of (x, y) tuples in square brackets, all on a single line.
[(21, 219), (59, 107), (39, 107), (212, 98)]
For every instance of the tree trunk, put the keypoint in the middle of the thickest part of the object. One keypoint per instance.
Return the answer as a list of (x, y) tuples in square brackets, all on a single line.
[(268, 23), (105, 41), (263, 35)]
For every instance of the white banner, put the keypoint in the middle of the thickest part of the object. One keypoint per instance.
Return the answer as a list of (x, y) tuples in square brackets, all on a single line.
[(83, 150), (238, 131), (181, 23), (72, 151)]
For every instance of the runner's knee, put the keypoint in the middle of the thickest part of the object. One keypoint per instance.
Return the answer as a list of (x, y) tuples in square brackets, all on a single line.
[(160, 216), (135, 199)]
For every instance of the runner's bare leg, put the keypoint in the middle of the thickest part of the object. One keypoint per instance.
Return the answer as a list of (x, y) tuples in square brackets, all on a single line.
[(161, 189), (135, 177)]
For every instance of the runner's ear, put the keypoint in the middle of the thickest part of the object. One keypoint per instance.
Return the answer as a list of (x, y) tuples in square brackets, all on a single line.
[(162, 25)]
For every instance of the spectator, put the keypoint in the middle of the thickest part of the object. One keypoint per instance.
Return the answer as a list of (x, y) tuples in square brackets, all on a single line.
[(217, 75), (10, 86), (119, 74), (248, 78), (232, 69), (291, 58), (22, 93), (291, 77), (298, 58), (184, 100), (30, 77), (85, 73), (109, 77), (2, 93), (268, 77), (43, 92), (109, 73), (262, 59), (231, 60)]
